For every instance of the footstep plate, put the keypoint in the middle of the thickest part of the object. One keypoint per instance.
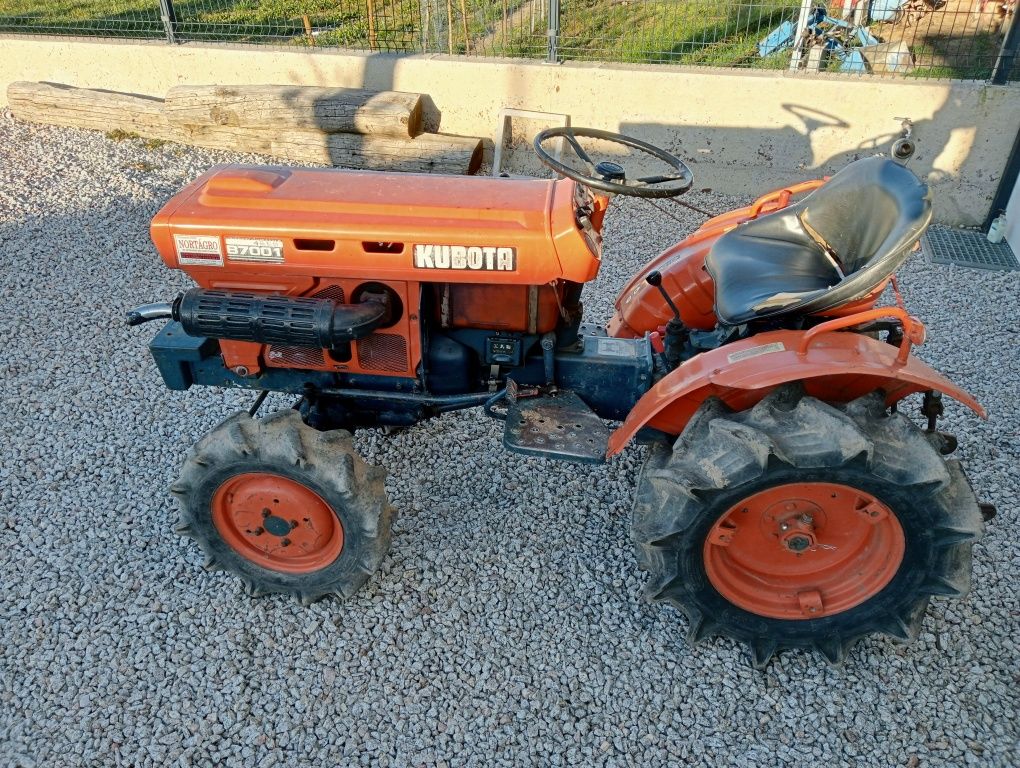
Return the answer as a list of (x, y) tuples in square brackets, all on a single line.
[(556, 426)]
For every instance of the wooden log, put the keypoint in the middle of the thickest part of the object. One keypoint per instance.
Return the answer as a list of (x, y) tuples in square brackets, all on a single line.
[(105, 111), (331, 110), (427, 153), (71, 107)]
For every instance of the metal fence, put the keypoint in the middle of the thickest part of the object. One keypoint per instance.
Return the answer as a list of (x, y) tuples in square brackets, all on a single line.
[(960, 39)]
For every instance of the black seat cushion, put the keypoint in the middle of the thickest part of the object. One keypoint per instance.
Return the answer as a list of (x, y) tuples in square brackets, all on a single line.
[(833, 247)]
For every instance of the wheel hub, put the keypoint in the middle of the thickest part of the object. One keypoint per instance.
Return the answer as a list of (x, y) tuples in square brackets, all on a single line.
[(277, 526), (803, 550), (277, 523), (795, 526)]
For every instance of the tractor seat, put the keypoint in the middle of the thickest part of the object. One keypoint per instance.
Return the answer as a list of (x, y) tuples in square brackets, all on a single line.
[(833, 247)]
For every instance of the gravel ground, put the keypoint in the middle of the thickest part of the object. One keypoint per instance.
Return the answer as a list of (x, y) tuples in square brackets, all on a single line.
[(505, 627)]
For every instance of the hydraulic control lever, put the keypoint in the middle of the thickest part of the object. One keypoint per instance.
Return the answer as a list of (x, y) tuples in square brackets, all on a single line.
[(676, 331)]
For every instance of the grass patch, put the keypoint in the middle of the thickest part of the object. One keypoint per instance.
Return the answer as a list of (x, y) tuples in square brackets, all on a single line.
[(706, 32), (343, 22), (118, 135)]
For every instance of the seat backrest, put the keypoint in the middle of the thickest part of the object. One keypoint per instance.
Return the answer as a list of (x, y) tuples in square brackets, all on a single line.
[(870, 213), (872, 208)]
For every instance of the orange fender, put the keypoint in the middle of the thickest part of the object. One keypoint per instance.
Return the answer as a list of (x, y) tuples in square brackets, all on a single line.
[(836, 367)]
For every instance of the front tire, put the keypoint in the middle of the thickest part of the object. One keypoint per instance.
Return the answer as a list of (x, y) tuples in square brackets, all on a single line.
[(800, 524), (284, 507)]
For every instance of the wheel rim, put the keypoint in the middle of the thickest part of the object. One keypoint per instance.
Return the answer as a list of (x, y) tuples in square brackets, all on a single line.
[(803, 550), (277, 523)]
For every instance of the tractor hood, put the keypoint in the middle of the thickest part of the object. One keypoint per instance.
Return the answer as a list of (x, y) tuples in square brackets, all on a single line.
[(239, 220)]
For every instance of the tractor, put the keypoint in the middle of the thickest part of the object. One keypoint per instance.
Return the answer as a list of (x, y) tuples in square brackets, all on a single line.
[(785, 501)]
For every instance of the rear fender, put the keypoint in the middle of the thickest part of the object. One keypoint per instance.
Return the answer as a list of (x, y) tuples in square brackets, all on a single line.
[(833, 366)]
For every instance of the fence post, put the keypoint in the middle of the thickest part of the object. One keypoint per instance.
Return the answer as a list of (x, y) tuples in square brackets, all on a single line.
[(169, 16), (1007, 53), (553, 56)]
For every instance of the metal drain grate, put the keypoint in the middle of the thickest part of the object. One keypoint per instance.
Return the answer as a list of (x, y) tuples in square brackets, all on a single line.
[(967, 248)]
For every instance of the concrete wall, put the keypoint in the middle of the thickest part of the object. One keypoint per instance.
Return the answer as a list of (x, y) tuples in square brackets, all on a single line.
[(743, 131)]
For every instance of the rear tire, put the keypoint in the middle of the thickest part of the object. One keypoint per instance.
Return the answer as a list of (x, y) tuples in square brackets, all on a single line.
[(284, 507), (727, 468)]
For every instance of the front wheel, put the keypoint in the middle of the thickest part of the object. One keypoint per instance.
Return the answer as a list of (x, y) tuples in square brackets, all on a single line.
[(284, 507), (799, 524)]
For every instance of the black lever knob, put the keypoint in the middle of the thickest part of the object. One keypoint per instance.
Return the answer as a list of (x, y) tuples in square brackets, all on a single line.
[(654, 279)]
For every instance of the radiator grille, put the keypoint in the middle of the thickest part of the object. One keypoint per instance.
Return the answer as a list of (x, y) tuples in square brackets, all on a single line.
[(383, 352), (294, 357)]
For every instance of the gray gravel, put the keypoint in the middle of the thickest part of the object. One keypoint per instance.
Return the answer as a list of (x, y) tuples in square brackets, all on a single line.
[(505, 627)]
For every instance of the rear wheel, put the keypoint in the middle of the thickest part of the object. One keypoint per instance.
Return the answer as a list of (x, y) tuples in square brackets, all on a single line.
[(799, 524), (284, 507)]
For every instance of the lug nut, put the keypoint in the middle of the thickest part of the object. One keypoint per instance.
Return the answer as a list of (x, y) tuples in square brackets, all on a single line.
[(285, 542)]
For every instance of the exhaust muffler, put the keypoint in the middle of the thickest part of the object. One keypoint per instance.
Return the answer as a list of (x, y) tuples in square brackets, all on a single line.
[(269, 319)]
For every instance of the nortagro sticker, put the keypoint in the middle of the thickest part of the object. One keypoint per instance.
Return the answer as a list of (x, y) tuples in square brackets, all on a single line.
[(199, 250), (468, 257)]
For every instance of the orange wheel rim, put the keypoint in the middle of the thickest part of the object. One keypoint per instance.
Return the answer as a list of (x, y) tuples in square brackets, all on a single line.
[(803, 550), (277, 523)]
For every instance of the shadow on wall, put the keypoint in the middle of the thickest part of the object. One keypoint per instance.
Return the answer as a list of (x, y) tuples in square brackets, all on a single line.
[(803, 149)]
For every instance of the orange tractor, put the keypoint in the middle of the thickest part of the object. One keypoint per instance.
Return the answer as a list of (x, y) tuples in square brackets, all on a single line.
[(786, 501)]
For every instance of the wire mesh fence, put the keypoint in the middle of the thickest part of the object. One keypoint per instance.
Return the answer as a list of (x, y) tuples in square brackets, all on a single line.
[(963, 39)]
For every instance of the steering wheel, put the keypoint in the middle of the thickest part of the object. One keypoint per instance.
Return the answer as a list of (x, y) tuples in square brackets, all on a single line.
[(609, 176)]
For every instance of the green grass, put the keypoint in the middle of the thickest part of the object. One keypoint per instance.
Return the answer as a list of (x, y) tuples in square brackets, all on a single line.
[(706, 32), (339, 22)]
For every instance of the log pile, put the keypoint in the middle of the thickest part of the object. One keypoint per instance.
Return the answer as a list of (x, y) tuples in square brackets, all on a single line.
[(347, 127)]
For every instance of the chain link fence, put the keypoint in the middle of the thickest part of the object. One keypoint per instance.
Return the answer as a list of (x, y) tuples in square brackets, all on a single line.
[(959, 39)]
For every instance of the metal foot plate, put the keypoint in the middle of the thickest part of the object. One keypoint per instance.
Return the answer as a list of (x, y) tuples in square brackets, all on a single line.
[(556, 426)]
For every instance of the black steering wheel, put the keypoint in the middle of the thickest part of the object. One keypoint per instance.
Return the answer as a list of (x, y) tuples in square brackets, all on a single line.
[(609, 176)]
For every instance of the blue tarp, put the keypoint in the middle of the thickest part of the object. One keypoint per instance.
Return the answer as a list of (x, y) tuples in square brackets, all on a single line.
[(884, 10), (779, 39)]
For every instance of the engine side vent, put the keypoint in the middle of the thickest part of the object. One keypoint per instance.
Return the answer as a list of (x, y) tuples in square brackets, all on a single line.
[(331, 292), (294, 357), (383, 352)]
